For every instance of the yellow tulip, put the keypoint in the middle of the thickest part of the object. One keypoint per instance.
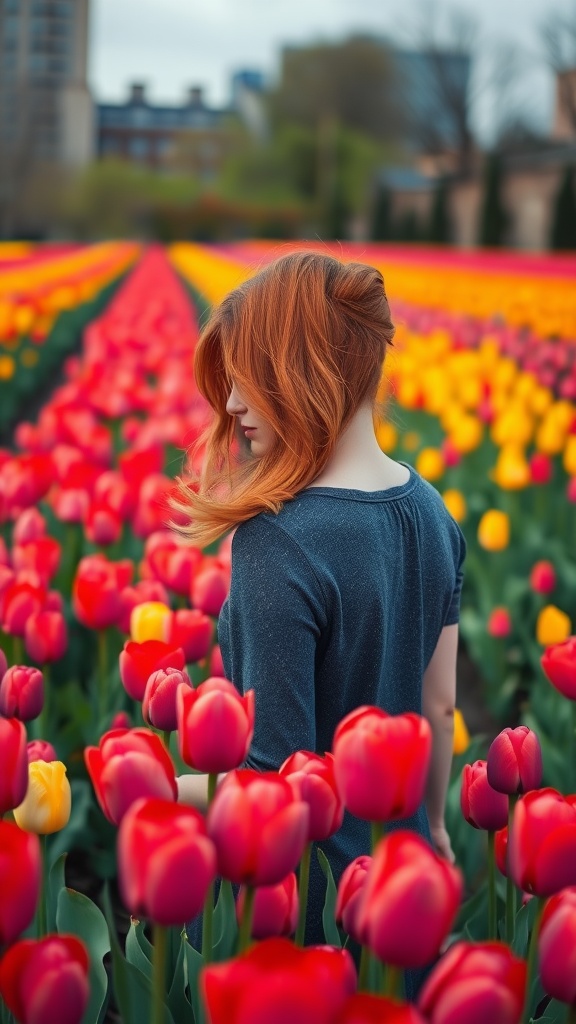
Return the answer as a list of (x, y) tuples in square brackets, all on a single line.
[(46, 806), (512, 472), (569, 456), (494, 530), (430, 463), (150, 621), (553, 626), (456, 504), (461, 734), (387, 436), (467, 434)]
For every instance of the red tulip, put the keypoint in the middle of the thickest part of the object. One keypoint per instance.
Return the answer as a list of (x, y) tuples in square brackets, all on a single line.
[(476, 983), (102, 524), (258, 827), (482, 806), (69, 504), (275, 908), (165, 861), (14, 760), (41, 555), (542, 843), (543, 577), (129, 764), (209, 589), (112, 489), (20, 872), (312, 777), (365, 1009), (557, 947), (153, 510), (159, 703), (541, 468), (515, 761), (559, 664), (45, 981), (3, 663), (215, 726), (46, 637), (22, 693), (501, 850), (96, 590), (381, 763), (172, 563), (278, 981), (350, 889), (193, 631), (137, 466), (409, 901), (139, 661), (30, 525), (499, 623), (41, 750), (19, 600)]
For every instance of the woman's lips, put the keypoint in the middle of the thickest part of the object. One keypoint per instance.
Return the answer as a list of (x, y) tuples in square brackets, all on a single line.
[(248, 430)]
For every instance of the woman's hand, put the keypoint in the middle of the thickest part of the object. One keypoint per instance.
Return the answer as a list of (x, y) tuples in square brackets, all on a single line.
[(441, 841)]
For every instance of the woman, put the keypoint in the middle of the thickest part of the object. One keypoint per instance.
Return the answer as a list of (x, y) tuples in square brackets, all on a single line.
[(346, 565)]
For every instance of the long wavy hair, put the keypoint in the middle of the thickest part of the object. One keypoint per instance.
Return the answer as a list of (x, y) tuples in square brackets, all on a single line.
[(303, 341)]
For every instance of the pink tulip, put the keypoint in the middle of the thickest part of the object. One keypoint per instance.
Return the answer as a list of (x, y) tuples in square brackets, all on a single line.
[(215, 725), (349, 899), (14, 760), (159, 704), (129, 764), (46, 637), (22, 693), (275, 908), (313, 779), (515, 761), (41, 750), (482, 806)]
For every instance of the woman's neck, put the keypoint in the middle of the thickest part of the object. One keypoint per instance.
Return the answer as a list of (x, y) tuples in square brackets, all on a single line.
[(358, 461)]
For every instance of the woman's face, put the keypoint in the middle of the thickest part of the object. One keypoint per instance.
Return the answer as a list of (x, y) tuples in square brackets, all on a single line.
[(257, 431)]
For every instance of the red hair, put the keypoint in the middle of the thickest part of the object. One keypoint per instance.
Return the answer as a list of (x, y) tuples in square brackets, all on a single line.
[(303, 341)]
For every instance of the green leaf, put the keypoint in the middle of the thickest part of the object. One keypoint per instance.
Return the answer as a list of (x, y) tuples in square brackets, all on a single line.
[(225, 924), (331, 932), (180, 1007), (138, 949), (555, 1013), (78, 915), (193, 964), (132, 988), (56, 883)]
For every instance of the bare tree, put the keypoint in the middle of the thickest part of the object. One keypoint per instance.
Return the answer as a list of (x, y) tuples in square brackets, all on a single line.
[(558, 33)]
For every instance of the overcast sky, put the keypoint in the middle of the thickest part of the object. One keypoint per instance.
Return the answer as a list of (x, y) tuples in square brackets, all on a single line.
[(172, 44)]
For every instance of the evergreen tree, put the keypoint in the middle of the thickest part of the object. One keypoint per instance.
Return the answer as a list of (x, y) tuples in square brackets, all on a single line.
[(493, 218), (439, 227), (381, 227), (563, 231)]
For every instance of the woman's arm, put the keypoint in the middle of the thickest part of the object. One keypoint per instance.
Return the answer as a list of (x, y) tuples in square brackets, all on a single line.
[(193, 790), (438, 703)]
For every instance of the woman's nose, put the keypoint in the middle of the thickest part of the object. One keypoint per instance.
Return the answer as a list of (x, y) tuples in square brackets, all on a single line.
[(234, 405)]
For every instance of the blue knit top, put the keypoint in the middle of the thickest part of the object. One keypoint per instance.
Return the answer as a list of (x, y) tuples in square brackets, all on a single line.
[(337, 601)]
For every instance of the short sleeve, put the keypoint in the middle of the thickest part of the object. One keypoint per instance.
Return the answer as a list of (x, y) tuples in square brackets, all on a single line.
[(459, 549), (275, 620)]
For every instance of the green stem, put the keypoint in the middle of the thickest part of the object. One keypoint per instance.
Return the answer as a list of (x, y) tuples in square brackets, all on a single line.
[(208, 913), (571, 1018), (17, 650), (303, 882), (166, 738), (392, 980), (159, 973), (246, 922), (363, 975), (533, 952), (377, 831), (43, 903), (491, 888), (510, 887), (44, 723), (102, 672)]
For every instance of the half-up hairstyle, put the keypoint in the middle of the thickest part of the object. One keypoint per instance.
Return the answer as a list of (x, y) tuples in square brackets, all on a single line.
[(303, 341)]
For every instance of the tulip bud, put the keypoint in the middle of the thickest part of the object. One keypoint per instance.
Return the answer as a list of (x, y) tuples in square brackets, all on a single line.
[(165, 861), (456, 504), (543, 577), (18, 601), (102, 525), (499, 623), (3, 664), (159, 704), (559, 664), (556, 944), (541, 468), (192, 631), (482, 806), (350, 889), (46, 806), (514, 762), (313, 780), (22, 693), (552, 626), (216, 663), (21, 876), (542, 843), (139, 661), (30, 525), (41, 750), (494, 530), (215, 725), (275, 908), (209, 590), (14, 774), (151, 620), (45, 981), (461, 740), (480, 981), (46, 636), (127, 765)]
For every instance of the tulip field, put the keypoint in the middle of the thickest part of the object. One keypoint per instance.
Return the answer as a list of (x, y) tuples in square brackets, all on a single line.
[(112, 686)]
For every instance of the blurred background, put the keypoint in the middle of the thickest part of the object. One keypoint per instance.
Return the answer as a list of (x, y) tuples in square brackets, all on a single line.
[(357, 119)]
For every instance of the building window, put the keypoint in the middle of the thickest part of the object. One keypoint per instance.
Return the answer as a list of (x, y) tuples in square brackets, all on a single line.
[(138, 147)]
